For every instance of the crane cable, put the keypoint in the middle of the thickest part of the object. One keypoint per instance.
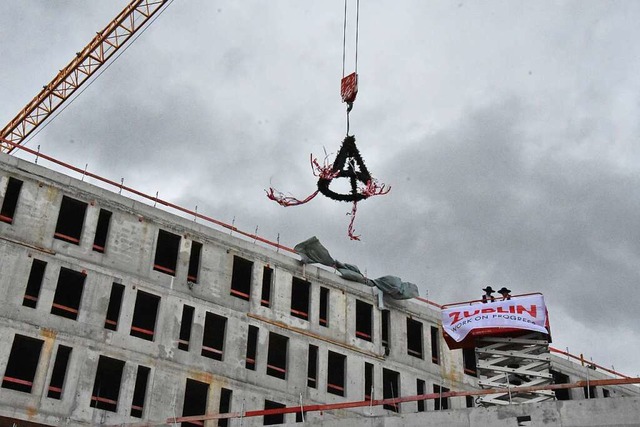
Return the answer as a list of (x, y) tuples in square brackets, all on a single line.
[(344, 54)]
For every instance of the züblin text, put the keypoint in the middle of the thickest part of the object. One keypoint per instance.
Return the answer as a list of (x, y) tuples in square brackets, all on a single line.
[(456, 316)]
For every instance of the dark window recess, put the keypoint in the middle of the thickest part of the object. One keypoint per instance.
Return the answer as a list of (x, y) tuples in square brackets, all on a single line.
[(194, 262), (589, 392), (414, 338), (241, 278), (606, 392), (277, 356), (59, 372), (167, 249), (267, 279), (22, 364), (196, 394), (324, 307), (300, 298), (469, 401), (113, 310), (440, 403), (522, 419), (70, 220), (385, 316), (213, 336), (368, 381), (32, 293), (106, 387), (312, 367), (66, 300), (145, 313), (273, 418), (102, 231), (336, 373), (390, 388), (301, 416), (435, 347), (252, 345), (560, 378), (140, 391), (469, 361), (185, 327), (10, 200), (225, 406), (364, 312), (421, 388)]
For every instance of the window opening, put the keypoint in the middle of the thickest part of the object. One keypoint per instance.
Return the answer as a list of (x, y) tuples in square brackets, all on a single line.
[(10, 200), (252, 345), (145, 313), (213, 337), (312, 367), (421, 388), (414, 338), (70, 220), (606, 392), (368, 381), (441, 403), (267, 278), (364, 312), (22, 364), (589, 392), (194, 262), (167, 249), (435, 347), (385, 314), (66, 300), (140, 391), (106, 387), (301, 416), (273, 419), (336, 374), (469, 361), (324, 307), (277, 356), (225, 406), (195, 400), (59, 372), (185, 327), (470, 402), (560, 378), (34, 283), (115, 304), (102, 231), (241, 278), (391, 388), (300, 298)]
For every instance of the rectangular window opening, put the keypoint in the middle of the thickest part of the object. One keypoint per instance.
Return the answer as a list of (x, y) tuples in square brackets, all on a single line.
[(213, 336), (277, 356), (440, 403), (300, 298), (252, 345), (391, 388), (140, 391), (560, 378), (364, 313), (102, 231), (312, 367), (336, 375), (241, 278), (167, 249), (106, 387), (421, 388), (414, 338), (273, 419), (10, 200), (435, 347), (59, 372), (469, 361), (185, 327), (194, 262), (267, 279), (368, 381), (66, 300), (195, 400), (34, 283), (22, 364), (589, 392), (606, 392), (115, 304), (225, 406), (145, 314), (469, 401), (324, 307), (70, 220), (385, 317)]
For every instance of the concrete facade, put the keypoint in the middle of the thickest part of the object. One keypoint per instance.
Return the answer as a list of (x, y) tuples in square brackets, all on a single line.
[(128, 259)]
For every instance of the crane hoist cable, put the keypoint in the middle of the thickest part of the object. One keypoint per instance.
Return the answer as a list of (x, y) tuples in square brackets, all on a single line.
[(348, 162)]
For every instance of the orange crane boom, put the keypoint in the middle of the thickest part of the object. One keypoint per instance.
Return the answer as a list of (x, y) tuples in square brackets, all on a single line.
[(133, 17)]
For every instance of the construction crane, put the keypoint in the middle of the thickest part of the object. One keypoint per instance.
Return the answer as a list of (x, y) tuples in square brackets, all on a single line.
[(103, 46)]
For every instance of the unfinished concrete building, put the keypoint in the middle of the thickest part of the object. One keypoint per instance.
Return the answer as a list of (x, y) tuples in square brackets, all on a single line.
[(116, 312)]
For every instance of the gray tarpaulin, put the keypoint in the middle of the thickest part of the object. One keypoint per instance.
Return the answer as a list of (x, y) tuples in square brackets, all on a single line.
[(311, 251)]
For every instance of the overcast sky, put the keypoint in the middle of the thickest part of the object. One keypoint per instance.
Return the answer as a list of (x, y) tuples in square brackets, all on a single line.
[(507, 129)]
